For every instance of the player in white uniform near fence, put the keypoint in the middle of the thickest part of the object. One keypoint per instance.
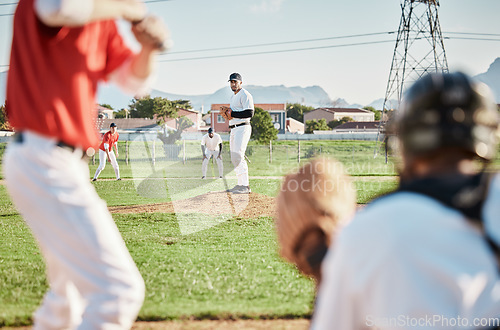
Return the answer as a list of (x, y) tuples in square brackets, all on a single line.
[(425, 256), (60, 51), (241, 111), (211, 146)]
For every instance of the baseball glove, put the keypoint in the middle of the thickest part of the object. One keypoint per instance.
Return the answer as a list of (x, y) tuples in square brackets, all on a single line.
[(226, 113), (312, 204)]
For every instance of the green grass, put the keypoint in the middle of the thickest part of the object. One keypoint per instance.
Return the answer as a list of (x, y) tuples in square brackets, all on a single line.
[(231, 270)]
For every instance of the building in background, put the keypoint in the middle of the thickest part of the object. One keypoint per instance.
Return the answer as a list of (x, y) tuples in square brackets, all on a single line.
[(330, 114), (276, 110), (294, 126)]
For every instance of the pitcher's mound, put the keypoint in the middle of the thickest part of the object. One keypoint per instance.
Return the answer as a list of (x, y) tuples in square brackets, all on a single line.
[(247, 206)]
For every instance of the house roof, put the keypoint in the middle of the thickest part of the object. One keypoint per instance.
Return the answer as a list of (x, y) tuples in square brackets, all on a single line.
[(290, 119), (359, 125), (101, 108), (348, 110), (263, 106), (184, 112), (130, 123)]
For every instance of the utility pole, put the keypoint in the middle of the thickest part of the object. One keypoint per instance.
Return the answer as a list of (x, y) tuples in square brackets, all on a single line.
[(419, 50)]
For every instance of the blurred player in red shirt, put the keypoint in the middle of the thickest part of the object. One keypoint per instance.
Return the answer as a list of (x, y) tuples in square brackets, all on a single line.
[(60, 51)]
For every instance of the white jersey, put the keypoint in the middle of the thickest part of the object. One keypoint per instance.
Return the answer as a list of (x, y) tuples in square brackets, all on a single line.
[(211, 144), (241, 101), (408, 262)]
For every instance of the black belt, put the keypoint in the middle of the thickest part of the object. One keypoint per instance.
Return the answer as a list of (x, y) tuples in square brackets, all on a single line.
[(19, 138), (238, 125)]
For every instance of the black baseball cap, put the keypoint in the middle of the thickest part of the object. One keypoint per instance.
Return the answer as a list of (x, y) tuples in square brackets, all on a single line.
[(112, 125), (210, 130), (235, 76)]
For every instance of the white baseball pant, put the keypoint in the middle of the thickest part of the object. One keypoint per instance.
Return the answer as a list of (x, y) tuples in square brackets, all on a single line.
[(208, 155), (102, 163), (94, 283), (238, 141)]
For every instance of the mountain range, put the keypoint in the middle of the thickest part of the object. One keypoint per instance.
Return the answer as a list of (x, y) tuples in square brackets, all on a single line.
[(313, 96)]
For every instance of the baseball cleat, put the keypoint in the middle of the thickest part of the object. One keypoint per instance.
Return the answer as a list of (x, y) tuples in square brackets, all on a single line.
[(237, 187), (203, 177), (94, 179), (119, 179), (242, 190)]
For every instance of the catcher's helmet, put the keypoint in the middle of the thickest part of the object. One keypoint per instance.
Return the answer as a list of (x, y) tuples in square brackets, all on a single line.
[(448, 110)]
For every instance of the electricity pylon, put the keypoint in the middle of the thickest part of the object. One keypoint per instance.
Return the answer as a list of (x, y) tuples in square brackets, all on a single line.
[(419, 50)]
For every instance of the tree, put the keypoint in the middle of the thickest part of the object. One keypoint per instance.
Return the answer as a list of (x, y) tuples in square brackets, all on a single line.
[(162, 109), (148, 107), (316, 125), (107, 106), (121, 114), (297, 111), (334, 123), (378, 113), (263, 130), (4, 124)]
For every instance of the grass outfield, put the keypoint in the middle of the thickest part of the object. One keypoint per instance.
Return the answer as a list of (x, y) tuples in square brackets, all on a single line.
[(231, 270)]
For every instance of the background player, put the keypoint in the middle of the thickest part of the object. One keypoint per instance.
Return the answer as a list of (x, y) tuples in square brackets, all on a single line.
[(239, 113), (109, 140), (60, 51), (427, 251), (211, 145)]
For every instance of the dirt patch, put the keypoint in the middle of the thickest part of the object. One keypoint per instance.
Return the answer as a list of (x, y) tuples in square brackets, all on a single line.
[(225, 325), (213, 203), (300, 324)]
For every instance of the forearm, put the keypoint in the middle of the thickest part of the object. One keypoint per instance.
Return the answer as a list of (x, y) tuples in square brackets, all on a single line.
[(78, 12), (203, 150), (220, 149), (247, 113), (143, 63)]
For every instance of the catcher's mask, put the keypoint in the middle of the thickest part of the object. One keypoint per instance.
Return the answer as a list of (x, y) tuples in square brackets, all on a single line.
[(447, 110)]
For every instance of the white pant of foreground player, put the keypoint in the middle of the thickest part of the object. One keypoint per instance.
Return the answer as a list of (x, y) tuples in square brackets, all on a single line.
[(102, 163), (209, 154), (238, 141), (94, 283)]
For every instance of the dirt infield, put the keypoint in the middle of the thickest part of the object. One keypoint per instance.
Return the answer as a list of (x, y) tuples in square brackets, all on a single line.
[(300, 324), (214, 203)]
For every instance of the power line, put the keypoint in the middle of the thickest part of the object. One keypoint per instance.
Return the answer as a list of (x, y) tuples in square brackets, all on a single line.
[(276, 51), (281, 43), (296, 49), (465, 38), (474, 33)]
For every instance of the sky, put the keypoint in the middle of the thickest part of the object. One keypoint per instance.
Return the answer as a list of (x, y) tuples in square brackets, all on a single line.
[(356, 73)]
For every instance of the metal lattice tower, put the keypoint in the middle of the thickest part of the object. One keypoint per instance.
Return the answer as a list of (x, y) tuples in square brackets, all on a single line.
[(419, 50)]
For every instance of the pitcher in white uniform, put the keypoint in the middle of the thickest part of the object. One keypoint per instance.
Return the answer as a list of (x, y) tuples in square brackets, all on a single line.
[(242, 110), (211, 145)]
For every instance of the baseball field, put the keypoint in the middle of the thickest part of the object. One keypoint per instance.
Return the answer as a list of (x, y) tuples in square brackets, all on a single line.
[(204, 255)]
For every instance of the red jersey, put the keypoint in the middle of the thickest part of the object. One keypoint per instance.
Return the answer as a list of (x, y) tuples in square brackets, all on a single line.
[(110, 139), (54, 73)]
